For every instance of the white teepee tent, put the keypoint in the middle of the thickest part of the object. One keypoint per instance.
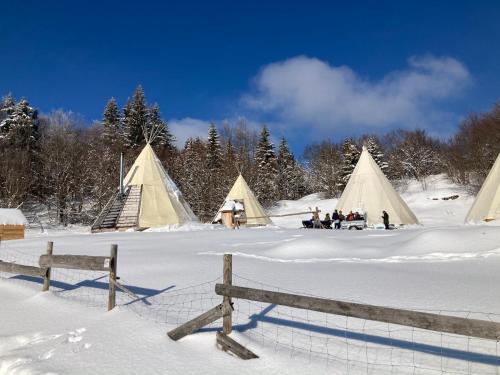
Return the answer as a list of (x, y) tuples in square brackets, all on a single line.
[(150, 199), (486, 206), (370, 191), (241, 193)]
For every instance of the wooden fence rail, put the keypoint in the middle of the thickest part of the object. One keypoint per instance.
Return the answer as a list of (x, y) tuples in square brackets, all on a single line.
[(79, 262), (416, 319), (20, 269), (434, 322)]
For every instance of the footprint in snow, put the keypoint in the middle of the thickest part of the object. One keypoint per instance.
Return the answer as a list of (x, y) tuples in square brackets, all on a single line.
[(46, 355), (75, 336)]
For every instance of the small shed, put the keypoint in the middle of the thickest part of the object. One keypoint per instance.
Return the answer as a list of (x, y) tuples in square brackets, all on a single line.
[(12, 224)]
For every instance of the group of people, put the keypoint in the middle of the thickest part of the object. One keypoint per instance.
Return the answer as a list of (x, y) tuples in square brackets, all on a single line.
[(337, 218)]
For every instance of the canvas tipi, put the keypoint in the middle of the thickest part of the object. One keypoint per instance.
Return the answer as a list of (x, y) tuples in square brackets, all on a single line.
[(149, 199), (369, 191), (243, 200), (486, 207)]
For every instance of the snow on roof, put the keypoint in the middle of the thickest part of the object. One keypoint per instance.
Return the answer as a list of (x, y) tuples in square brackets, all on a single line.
[(12, 216), (228, 206)]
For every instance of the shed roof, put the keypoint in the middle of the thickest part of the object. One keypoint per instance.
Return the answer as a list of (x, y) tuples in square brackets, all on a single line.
[(12, 216)]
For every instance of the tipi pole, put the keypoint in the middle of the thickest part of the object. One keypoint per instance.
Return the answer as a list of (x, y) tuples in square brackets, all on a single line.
[(121, 173)]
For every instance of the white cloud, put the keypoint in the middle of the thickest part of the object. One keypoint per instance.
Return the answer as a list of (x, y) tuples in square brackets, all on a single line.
[(188, 127), (304, 91)]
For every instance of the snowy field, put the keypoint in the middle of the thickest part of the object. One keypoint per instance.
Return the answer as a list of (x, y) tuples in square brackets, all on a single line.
[(442, 266)]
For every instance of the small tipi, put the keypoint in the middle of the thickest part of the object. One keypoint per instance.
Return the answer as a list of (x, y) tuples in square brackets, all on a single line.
[(242, 199), (149, 199), (370, 191), (486, 206)]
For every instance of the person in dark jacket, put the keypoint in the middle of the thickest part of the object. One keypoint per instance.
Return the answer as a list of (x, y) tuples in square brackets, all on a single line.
[(385, 217), (336, 219), (341, 219)]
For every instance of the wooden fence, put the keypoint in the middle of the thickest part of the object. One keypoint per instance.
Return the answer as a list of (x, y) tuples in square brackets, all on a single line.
[(77, 262), (416, 319)]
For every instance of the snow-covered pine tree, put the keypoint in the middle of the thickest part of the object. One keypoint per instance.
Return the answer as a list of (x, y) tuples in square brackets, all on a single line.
[(157, 126), (373, 147), (214, 150), (288, 172), (111, 130), (214, 183), (193, 174), (230, 168), (266, 187), (7, 107), (350, 157), (135, 118), (20, 128)]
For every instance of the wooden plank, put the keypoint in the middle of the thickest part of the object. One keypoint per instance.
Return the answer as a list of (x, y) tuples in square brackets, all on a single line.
[(229, 345), (199, 322), (20, 269), (433, 322), (126, 290), (46, 279), (227, 321), (113, 259), (78, 262)]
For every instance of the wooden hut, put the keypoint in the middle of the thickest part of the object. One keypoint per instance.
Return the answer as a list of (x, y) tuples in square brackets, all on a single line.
[(12, 224)]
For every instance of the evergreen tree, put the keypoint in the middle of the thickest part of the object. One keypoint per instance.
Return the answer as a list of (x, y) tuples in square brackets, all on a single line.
[(231, 168), (135, 118), (214, 182), (193, 175), (163, 139), (20, 128), (266, 187), (111, 123), (286, 171), (373, 147), (350, 157), (7, 107), (214, 150)]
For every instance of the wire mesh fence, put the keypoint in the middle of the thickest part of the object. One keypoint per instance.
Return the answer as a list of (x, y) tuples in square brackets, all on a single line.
[(341, 344)]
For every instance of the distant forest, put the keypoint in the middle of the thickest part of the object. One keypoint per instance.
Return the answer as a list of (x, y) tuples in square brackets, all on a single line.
[(57, 164)]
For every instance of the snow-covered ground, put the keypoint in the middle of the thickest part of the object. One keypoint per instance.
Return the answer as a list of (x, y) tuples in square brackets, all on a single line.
[(442, 266)]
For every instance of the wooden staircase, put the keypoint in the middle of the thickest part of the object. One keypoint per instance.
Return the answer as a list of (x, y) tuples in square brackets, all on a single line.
[(129, 216), (109, 215)]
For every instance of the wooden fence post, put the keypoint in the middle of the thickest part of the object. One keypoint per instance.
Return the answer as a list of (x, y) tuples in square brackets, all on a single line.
[(227, 320), (112, 276), (46, 279)]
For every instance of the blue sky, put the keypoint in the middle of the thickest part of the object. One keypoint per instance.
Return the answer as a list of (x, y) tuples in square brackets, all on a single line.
[(311, 70)]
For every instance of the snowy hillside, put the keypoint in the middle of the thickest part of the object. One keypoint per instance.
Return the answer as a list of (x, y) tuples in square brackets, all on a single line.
[(441, 266)]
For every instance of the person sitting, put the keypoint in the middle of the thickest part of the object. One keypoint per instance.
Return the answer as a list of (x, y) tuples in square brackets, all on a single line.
[(357, 216), (350, 216), (308, 223), (327, 223), (336, 219)]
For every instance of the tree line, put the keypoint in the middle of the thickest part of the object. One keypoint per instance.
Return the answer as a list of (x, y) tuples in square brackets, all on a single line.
[(58, 164)]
